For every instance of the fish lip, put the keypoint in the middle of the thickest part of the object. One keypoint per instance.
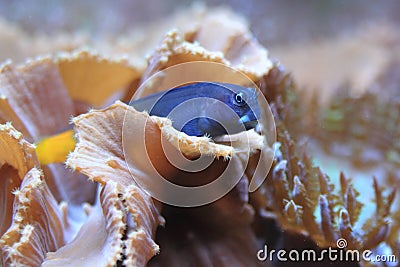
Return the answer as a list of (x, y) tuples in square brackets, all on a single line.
[(244, 119), (248, 124)]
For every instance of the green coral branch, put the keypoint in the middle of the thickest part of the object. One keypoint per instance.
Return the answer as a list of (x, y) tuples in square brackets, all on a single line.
[(303, 197)]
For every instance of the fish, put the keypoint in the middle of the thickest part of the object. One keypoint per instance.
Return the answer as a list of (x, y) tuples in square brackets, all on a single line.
[(197, 109), (205, 108)]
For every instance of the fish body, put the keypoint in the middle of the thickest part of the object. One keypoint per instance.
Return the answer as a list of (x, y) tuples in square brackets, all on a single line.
[(198, 109), (205, 108)]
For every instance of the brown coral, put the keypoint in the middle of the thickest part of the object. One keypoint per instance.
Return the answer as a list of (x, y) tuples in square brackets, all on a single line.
[(37, 226), (14, 166), (20, 85)]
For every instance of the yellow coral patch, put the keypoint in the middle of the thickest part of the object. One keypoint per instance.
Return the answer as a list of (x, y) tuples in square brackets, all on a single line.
[(91, 78)]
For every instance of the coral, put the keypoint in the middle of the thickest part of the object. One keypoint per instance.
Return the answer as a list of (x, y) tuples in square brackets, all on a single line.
[(14, 166), (37, 225), (81, 69), (96, 212), (309, 202)]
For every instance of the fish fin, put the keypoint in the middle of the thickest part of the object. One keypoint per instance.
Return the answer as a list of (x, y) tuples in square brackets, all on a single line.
[(55, 149), (192, 128), (210, 127)]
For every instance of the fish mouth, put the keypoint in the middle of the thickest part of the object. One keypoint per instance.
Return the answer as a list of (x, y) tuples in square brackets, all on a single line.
[(247, 122)]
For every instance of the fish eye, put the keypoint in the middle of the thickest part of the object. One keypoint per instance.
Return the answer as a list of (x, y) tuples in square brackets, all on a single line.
[(239, 99)]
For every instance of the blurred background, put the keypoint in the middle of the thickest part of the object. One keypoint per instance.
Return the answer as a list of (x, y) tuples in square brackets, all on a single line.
[(325, 43), (274, 22)]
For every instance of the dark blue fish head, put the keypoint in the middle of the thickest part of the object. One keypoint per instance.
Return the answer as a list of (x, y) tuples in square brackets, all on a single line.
[(241, 111), (245, 104)]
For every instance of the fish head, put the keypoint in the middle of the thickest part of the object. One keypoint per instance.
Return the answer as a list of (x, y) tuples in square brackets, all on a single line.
[(244, 102)]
